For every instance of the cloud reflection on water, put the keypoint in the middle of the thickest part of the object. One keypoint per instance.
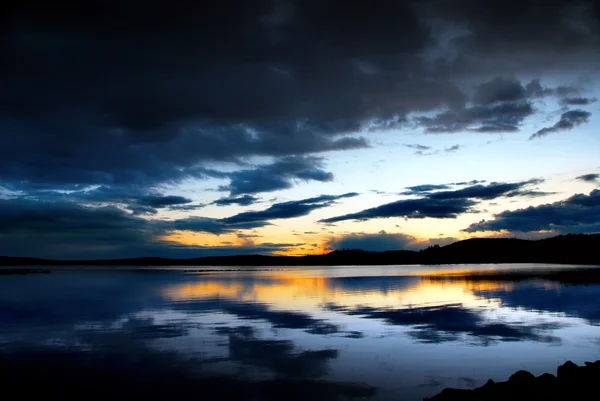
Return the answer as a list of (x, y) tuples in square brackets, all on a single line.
[(289, 328)]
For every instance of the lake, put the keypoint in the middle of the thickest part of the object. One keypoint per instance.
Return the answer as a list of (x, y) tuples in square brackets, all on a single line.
[(372, 332)]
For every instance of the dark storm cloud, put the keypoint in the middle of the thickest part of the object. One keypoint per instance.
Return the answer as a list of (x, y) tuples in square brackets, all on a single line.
[(45, 228), (19, 215), (568, 120), (530, 35), (141, 99), (276, 176), (113, 98), (442, 204), (577, 214), (499, 90), (139, 200), (534, 89), (245, 200), (592, 177)]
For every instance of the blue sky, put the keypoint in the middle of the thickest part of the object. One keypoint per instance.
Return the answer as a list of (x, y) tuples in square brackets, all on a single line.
[(272, 128)]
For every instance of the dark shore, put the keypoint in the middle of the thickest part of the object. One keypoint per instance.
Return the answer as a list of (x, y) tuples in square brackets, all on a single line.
[(571, 382)]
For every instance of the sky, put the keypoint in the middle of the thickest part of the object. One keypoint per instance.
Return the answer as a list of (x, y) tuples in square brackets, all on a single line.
[(189, 129)]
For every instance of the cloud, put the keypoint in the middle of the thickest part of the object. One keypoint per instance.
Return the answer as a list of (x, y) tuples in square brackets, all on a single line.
[(412, 208), (499, 90), (442, 204), (112, 99), (487, 192), (578, 101), (472, 182), (442, 323), (489, 118), (65, 229), (418, 189), (422, 150), (256, 219), (287, 210), (162, 201), (214, 226), (245, 200), (278, 356), (276, 176), (187, 207), (417, 147), (279, 319), (593, 177), (578, 214), (577, 301), (568, 120), (137, 199), (383, 241)]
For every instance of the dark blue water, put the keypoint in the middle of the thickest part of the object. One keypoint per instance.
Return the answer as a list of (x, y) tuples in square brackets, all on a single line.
[(380, 333)]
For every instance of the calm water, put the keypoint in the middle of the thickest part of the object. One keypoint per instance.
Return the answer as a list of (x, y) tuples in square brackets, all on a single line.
[(380, 333)]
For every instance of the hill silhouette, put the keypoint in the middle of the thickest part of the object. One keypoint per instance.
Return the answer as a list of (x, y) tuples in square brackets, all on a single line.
[(562, 249)]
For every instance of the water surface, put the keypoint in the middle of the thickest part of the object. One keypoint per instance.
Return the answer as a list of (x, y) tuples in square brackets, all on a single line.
[(373, 332)]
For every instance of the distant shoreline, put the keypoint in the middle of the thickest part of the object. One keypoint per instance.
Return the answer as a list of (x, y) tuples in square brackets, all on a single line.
[(580, 249)]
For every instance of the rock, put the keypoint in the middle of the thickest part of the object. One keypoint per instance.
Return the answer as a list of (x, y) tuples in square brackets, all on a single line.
[(567, 371), (488, 384), (522, 378), (572, 382), (546, 379), (485, 390), (593, 366), (454, 394)]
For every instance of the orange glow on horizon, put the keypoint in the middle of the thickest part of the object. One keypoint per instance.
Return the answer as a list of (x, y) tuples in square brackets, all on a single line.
[(285, 243), (292, 291)]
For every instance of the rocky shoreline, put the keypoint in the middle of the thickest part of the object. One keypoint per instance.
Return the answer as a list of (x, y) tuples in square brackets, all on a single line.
[(572, 382)]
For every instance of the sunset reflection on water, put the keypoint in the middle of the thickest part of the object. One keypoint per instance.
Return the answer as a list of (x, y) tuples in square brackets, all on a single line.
[(399, 332)]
